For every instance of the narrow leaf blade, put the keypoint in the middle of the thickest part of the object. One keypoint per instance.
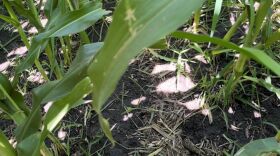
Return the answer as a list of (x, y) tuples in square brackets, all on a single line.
[(258, 55), (74, 22)]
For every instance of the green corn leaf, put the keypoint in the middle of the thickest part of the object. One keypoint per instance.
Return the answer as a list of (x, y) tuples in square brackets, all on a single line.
[(74, 21), (265, 83), (21, 10), (134, 27), (83, 3), (9, 20), (216, 15), (5, 83), (258, 55), (49, 7), (7, 108), (6, 149), (54, 90), (259, 147), (32, 123), (160, 45), (76, 72), (14, 106), (273, 38), (33, 53), (106, 128), (57, 89), (27, 132), (55, 9), (59, 108), (12, 101), (19, 100), (29, 146), (167, 59), (277, 137), (261, 14)]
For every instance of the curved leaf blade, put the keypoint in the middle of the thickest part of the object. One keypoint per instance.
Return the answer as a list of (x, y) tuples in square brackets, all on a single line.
[(33, 53), (273, 38), (59, 108), (32, 123), (259, 147), (258, 55), (9, 20), (104, 123), (30, 145), (76, 72), (134, 27), (5, 147), (74, 21), (216, 15)]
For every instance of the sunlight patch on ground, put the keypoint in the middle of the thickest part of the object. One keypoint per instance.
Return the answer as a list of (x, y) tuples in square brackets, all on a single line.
[(163, 67), (193, 104), (13, 142), (187, 67), (138, 101), (232, 18), (231, 111), (206, 112), (257, 114), (47, 106), (21, 51), (61, 134), (23, 24), (200, 58), (4, 66), (35, 77), (174, 85), (127, 117), (33, 30)]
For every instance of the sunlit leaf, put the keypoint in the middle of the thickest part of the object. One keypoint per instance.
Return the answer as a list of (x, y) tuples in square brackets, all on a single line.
[(261, 14), (216, 15), (273, 38), (33, 122), (12, 102), (5, 83), (106, 128), (5, 147), (29, 146), (9, 20), (33, 53), (76, 72), (258, 55), (74, 21), (59, 108), (265, 84), (259, 147), (135, 26), (160, 45)]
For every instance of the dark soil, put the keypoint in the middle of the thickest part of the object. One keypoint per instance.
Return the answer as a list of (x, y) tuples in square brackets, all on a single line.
[(243, 126)]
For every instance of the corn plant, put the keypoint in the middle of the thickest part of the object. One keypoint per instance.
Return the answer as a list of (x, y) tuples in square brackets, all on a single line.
[(97, 67), (68, 91)]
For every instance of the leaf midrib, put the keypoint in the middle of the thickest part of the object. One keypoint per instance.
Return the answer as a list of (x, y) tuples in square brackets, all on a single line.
[(74, 21), (119, 52)]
